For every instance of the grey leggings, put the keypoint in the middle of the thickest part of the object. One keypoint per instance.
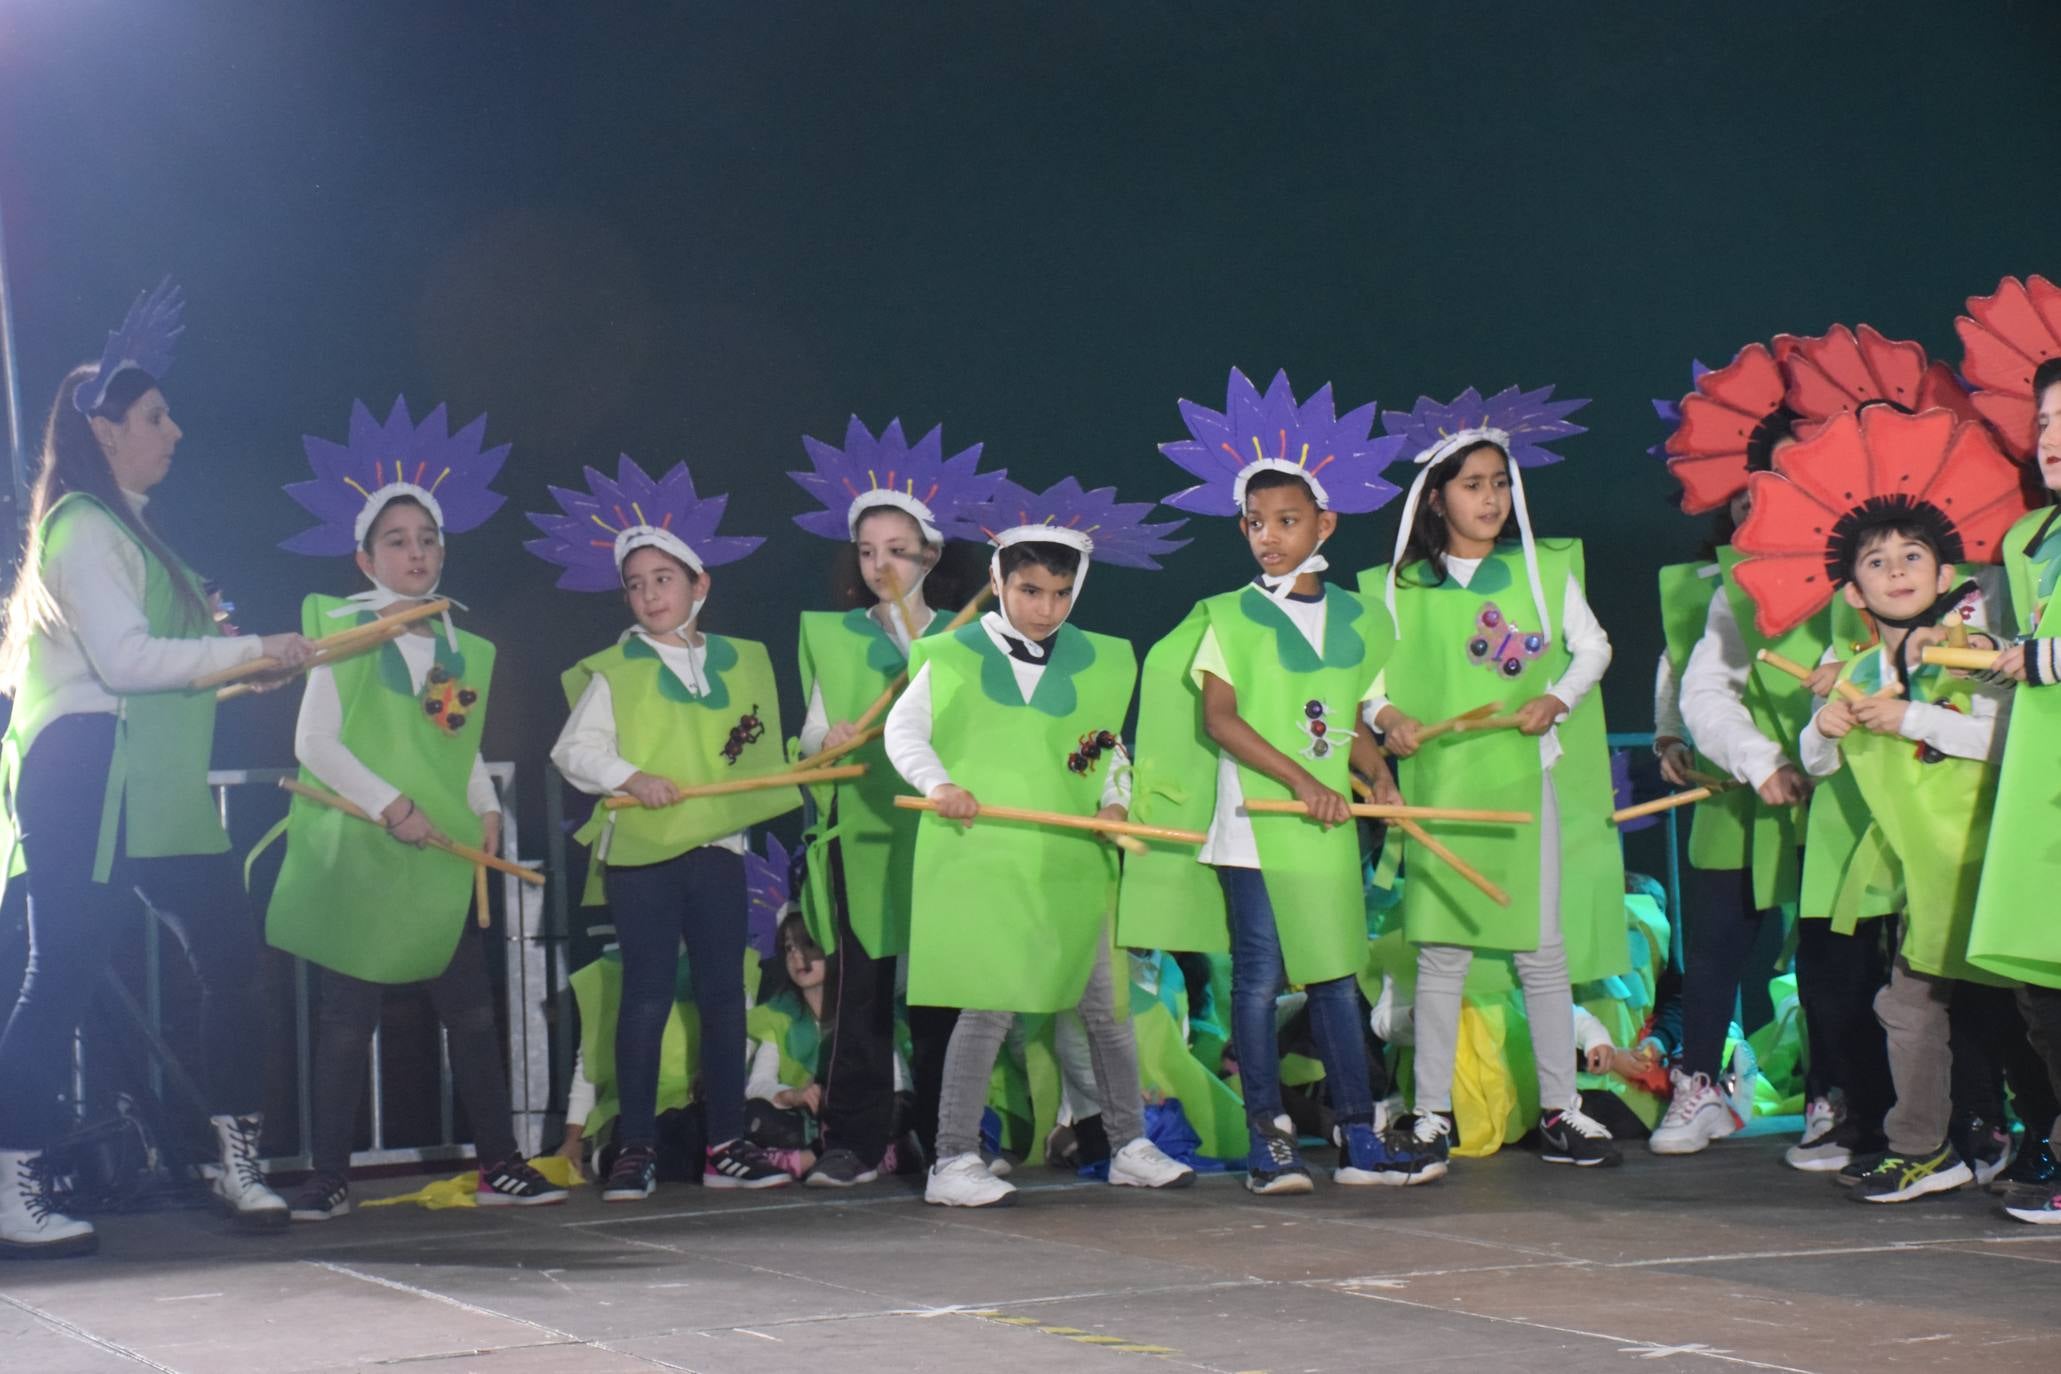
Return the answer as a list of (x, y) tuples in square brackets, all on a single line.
[(1548, 999), (977, 1039)]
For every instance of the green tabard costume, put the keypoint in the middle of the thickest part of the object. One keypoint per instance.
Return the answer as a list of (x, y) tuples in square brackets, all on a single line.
[(1434, 675), (349, 897), (2015, 933), (1302, 702), (157, 794), (666, 730), (851, 660), (1934, 818), (1007, 916)]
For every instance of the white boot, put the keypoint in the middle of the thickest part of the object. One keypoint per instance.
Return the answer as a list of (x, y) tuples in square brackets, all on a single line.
[(241, 1184), (29, 1226)]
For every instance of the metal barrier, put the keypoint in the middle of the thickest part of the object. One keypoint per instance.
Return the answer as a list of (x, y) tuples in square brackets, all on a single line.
[(1672, 828)]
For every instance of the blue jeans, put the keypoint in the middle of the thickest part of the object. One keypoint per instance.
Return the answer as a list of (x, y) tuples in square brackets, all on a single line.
[(1258, 975)]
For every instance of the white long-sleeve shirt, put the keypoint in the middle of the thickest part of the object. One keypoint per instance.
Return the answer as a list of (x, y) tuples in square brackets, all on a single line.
[(1667, 707), (816, 720), (587, 753), (1970, 734), (907, 736), (318, 739), (101, 646)]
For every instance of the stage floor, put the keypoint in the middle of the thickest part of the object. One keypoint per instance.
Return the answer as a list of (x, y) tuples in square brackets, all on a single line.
[(1726, 1261)]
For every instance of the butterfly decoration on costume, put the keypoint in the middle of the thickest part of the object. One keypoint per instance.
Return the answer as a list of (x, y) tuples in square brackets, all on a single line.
[(446, 701), (1315, 723), (1501, 646), (748, 730), (1092, 747)]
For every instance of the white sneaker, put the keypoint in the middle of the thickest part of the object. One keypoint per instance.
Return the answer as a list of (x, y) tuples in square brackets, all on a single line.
[(964, 1181), (1141, 1164), (1819, 1150), (29, 1225), (1696, 1115), (241, 1184)]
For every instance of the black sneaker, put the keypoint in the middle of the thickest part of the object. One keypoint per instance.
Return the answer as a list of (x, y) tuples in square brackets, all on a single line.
[(1273, 1164), (634, 1175), (1902, 1178), (514, 1183), (2035, 1170), (741, 1164), (1570, 1137), (323, 1196), (839, 1169), (1987, 1146)]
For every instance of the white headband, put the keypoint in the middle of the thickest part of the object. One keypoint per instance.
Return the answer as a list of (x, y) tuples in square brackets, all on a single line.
[(1259, 465), (1037, 534), (652, 537), (902, 501), (385, 496), (1430, 458)]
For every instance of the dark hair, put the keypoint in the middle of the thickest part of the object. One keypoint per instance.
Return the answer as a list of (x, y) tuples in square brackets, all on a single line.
[(1886, 518), (73, 461), (773, 978), (959, 572), (392, 502), (1777, 425), (1269, 478), (1061, 560), (2044, 376), (1427, 541)]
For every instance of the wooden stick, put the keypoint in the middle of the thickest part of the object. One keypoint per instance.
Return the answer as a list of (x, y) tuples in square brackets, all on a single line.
[(1432, 732), (1710, 780), (1398, 813), (329, 648), (1423, 837), (1486, 723), (479, 896), (1668, 803), (1956, 631), (1066, 822), (894, 589), (1847, 691), (463, 851), (868, 732), (761, 783), (1968, 660)]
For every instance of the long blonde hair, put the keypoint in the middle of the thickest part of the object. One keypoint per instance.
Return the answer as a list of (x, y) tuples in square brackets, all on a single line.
[(73, 461)]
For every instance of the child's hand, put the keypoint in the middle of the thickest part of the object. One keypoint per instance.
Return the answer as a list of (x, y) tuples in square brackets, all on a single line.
[(573, 1146), (812, 1098), (955, 803), (1382, 790), (1835, 718), (838, 734), (1883, 715), (1786, 786), (1327, 808), (291, 651), (1823, 679), (2010, 665), (409, 823), (1598, 1057), (1113, 812), (1540, 714), (650, 791), (1398, 731), (490, 832), (1675, 760)]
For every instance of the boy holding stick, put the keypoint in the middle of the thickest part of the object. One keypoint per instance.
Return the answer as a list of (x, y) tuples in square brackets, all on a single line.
[(1022, 710)]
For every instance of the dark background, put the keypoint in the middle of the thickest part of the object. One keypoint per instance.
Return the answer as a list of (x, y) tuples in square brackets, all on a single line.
[(701, 231)]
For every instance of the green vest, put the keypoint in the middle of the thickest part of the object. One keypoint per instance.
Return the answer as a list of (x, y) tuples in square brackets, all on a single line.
[(157, 795), (786, 1022), (1935, 818), (349, 897), (1007, 915), (2015, 933), (666, 730), (1448, 660), (851, 660)]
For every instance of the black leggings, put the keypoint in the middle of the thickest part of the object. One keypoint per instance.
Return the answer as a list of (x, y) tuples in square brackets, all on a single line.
[(74, 923), (1837, 977), (1720, 933)]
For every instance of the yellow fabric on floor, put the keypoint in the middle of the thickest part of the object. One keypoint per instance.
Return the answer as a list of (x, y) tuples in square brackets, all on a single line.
[(461, 1190)]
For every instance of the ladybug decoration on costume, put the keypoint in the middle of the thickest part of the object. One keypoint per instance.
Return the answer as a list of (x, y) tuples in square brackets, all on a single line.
[(1091, 749), (1317, 727), (446, 700), (748, 730)]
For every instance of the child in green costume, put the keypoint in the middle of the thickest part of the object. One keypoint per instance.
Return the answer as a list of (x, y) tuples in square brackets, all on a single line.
[(1258, 694), (396, 732), (1021, 709), (1475, 612), (668, 707), (1882, 506), (895, 508)]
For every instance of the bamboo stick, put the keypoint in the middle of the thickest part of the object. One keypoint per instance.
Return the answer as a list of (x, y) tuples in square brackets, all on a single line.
[(1487, 723), (1956, 631), (463, 851), (1668, 803), (1847, 691), (1398, 813), (1423, 837), (894, 589), (1432, 732), (1968, 660), (761, 783), (328, 648), (1064, 821), (479, 896)]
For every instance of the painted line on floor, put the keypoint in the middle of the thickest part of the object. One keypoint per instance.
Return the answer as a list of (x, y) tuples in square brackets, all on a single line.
[(73, 1331)]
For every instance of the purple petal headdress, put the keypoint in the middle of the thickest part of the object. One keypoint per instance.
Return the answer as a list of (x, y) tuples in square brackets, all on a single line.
[(148, 336), (766, 888), (868, 473), (600, 526), (1669, 408), (1521, 423), (448, 473), (1094, 522), (1335, 454)]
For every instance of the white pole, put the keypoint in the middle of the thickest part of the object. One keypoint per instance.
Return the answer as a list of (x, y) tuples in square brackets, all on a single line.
[(10, 383)]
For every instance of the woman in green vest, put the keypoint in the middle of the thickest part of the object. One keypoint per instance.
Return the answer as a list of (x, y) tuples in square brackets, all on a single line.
[(396, 732), (895, 508), (106, 761), (668, 706), (1023, 709), (1485, 619)]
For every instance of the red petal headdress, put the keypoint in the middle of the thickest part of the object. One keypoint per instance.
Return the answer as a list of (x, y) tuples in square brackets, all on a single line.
[(2005, 336)]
